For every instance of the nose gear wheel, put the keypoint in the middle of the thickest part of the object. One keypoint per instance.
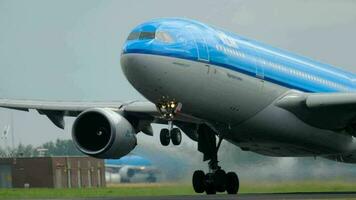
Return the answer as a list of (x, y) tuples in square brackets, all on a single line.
[(168, 108)]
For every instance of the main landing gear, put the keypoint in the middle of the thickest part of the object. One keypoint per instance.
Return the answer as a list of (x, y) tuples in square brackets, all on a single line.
[(216, 180), (168, 109)]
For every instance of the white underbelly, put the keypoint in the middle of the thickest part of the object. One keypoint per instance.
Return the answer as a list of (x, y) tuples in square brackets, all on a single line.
[(206, 91)]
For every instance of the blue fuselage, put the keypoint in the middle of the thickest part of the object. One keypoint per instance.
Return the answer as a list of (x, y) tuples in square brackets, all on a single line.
[(132, 160), (191, 40), (232, 83)]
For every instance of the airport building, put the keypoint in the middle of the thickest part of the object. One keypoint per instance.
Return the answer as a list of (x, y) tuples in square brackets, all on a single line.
[(52, 172)]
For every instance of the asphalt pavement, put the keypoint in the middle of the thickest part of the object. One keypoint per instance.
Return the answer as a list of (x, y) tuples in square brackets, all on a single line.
[(273, 196)]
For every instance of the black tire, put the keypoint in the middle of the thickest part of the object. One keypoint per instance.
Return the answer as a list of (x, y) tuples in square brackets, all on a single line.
[(199, 181), (209, 184), (220, 180), (176, 136), (164, 137), (232, 183)]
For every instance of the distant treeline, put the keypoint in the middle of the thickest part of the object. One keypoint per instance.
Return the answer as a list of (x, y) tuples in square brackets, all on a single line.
[(178, 163), (57, 148)]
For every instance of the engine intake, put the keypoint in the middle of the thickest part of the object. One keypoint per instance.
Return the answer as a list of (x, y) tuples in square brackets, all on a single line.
[(103, 133)]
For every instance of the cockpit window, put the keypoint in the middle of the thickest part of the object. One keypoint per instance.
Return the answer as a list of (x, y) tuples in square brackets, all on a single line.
[(163, 37), (133, 36), (160, 36), (147, 35), (141, 35)]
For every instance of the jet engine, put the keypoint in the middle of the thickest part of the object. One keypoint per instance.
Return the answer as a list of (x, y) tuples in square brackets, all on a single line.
[(103, 133)]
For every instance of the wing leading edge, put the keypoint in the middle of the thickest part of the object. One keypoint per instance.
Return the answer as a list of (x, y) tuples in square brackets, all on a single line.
[(145, 112), (57, 110)]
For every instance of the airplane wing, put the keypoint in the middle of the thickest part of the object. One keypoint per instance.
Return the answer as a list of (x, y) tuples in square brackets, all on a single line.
[(333, 111), (145, 112), (67, 106)]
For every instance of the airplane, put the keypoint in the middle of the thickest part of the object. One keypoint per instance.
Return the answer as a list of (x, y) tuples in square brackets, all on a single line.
[(215, 85), (130, 168)]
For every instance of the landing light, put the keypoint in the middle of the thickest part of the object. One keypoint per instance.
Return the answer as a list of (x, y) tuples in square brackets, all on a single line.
[(168, 108)]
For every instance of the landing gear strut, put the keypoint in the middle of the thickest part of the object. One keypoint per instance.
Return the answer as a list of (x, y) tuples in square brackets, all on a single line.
[(168, 109), (216, 180)]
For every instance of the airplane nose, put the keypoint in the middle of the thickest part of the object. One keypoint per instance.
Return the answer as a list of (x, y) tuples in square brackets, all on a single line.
[(147, 74), (127, 62), (136, 70)]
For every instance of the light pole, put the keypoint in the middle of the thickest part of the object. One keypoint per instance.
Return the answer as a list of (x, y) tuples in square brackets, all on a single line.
[(12, 130), (4, 138)]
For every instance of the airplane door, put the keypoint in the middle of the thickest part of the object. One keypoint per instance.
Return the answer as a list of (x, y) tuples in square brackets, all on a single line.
[(203, 51), (201, 44), (260, 74)]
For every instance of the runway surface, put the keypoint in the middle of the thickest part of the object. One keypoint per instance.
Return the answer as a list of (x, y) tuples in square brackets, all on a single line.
[(326, 195)]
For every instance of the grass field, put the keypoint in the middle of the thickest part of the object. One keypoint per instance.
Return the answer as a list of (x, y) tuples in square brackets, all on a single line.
[(174, 189)]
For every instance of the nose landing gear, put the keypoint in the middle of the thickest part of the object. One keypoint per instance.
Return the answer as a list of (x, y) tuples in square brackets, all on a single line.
[(176, 136), (168, 109), (167, 135)]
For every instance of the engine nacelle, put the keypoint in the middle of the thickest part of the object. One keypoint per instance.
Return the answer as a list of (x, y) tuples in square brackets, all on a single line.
[(103, 133)]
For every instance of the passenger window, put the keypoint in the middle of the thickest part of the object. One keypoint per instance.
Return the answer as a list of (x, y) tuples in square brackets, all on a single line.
[(164, 37)]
